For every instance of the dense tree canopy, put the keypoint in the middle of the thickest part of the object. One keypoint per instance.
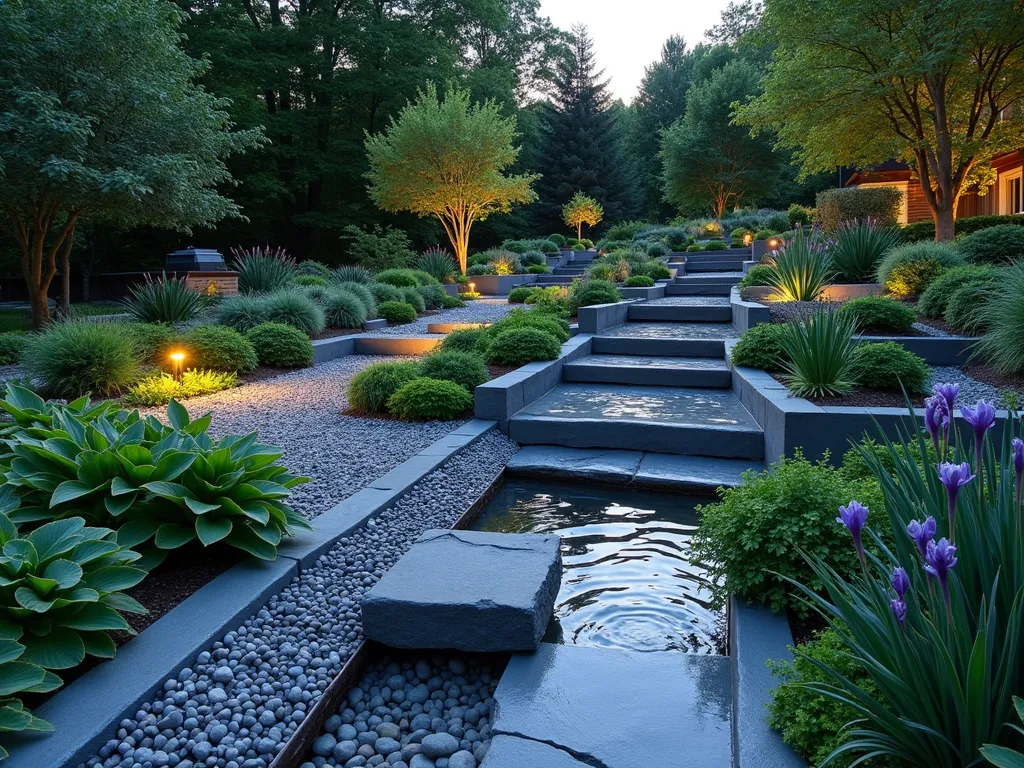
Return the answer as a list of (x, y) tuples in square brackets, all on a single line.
[(854, 83)]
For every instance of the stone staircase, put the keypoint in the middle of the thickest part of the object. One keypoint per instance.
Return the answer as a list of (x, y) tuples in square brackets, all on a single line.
[(658, 383), (716, 261), (704, 284), (567, 271)]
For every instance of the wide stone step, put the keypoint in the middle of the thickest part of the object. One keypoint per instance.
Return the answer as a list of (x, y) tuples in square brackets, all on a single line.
[(664, 471), (671, 313), (555, 279), (696, 422), (664, 339), (698, 289), (705, 372), (714, 266), (569, 270), (731, 277)]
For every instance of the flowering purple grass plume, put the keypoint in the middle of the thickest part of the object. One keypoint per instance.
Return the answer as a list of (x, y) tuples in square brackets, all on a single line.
[(853, 516), (922, 533)]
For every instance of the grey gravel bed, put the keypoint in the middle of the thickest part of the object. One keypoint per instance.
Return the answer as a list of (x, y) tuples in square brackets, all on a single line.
[(301, 412), (240, 700), (411, 714), (477, 311), (971, 390)]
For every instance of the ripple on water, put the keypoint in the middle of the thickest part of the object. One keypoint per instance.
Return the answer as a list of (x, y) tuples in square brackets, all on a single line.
[(627, 581)]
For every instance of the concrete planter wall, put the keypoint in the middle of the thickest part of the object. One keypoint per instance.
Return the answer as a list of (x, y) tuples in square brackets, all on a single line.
[(452, 289), (654, 292), (838, 292), (598, 317), (499, 285), (746, 314), (759, 248)]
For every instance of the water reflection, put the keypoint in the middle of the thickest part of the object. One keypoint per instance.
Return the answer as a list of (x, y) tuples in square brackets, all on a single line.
[(626, 581)]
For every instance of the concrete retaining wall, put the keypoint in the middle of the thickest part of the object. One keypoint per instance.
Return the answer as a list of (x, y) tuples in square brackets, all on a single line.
[(746, 314), (598, 317), (364, 344), (499, 285), (654, 292)]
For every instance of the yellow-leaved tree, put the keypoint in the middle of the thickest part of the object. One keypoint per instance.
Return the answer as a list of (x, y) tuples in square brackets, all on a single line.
[(446, 157), (582, 210)]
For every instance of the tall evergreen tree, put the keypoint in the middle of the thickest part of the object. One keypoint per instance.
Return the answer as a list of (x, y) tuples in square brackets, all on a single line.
[(581, 140)]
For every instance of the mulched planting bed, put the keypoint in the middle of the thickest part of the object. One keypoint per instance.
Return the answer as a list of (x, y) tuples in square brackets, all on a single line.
[(861, 397), (989, 375), (499, 370)]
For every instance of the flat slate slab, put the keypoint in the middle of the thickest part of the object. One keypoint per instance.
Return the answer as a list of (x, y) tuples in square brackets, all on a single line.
[(513, 752), (619, 709), (643, 330), (467, 590)]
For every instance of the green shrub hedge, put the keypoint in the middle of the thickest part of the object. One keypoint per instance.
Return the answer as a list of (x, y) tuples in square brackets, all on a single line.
[(925, 230), (414, 298), (466, 369), (907, 270), (936, 296), (587, 293), (281, 346), (995, 245), (879, 312), (466, 340), (891, 368), (761, 347), (759, 275), (397, 312), (837, 205), (371, 388), (218, 348), (426, 399), (520, 294), (638, 281)]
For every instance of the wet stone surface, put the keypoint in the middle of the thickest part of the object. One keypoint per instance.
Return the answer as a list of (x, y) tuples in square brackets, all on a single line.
[(672, 331), (238, 702), (690, 301), (615, 361)]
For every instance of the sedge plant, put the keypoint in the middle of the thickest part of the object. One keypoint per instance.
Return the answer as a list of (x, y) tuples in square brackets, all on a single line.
[(819, 354), (801, 269)]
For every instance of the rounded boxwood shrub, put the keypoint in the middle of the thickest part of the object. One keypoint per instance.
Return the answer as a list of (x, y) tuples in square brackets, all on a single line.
[(760, 533), (523, 318), (11, 346), (281, 346), (426, 399), (638, 281), (656, 250), (464, 368), (397, 312), (881, 313), (344, 309), (296, 309), (761, 274), (907, 270), (520, 294), (243, 311), (466, 340), (71, 359), (371, 388), (519, 346), (218, 348), (965, 310), (994, 245), (694, 248), (586, 294), (890, 367), (715, 245), (152, 341), (365, 295), (432, 295), (383, 292), (412, 296), (761, 347), (557, 239), (655, 270), (936, 296), (452, 302), (306, 281), (536, 269), (400, 278)]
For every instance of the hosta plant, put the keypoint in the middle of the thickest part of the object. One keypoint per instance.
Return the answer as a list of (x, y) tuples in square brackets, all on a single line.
[(18, 676), (162, 301), (157, 484), (936, 618)]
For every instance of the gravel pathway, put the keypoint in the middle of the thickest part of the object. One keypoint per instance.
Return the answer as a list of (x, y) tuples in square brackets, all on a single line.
[(928, 330), (239, 701), (971, 390), (478, 311), (301, 412)]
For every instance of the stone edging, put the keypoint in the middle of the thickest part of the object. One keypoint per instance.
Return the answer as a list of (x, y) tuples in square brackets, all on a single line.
[(654, 292), (746, 314), (598, 317), (325, 350), (85, 713)]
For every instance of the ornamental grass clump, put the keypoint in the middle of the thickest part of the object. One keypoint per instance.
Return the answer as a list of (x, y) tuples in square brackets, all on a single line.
[(344, 309), (935, 616), (75, 358), (369, 390), (1003, 343), (820, 354), (426, 399), (262, 270), (162, 301), (858, 247), (293, 307), (907, 270), (464, 368), (801, 269), (439, 264)]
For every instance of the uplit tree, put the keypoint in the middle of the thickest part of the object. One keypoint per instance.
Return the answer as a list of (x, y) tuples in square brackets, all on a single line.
[(445, 157), (100, 118), (937, 84), (582, 210)]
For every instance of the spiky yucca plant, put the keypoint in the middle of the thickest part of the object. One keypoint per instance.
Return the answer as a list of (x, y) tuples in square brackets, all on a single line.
[(859, 246), (261, 270), (439, 264), (820, 351), (164, 300), (801, 269)]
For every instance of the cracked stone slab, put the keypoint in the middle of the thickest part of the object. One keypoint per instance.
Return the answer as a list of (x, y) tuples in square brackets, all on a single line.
[(467, 590), (609, 708), (513, 752), (575, 463)]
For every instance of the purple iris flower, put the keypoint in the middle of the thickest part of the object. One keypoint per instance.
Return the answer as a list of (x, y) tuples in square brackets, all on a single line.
[(939, 560), (900, 582), (853, 516), (947, 392), (954, 477), (899, 610), (982, 416), (1018, 468), (922, 533), (936, 418)]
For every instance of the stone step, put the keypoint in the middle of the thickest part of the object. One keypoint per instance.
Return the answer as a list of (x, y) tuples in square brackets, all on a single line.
[(730, 277), (705, 372), (554, 279), (714, 266), (664, 340), (677, 313), (698, 289), (695, 422), (663, 471), (569, 270)]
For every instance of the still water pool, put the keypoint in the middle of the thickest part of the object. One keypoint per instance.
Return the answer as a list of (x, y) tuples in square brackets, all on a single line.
[(627, 581)]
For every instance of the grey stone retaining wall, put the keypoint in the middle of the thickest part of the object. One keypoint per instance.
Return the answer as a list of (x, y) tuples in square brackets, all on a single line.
[(654, 292), (86, 712), (499, 285), (746, 314), (364, 344), (598, 317), (501, 398)]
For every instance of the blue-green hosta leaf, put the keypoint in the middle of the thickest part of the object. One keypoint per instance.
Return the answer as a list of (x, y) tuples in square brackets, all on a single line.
[(31, 515), (16, 676), (131, 436), (97, 468), (94, 617), (30, 601), (120, 487), (257, 512), (10, 650), (10, 631), (244, 492), (247, 541), (118, 505), (49, 683), (220, 461), (12, 719), (71, 490), (119, 601), (172, 464), (19, 551), (8, 582), (24, 399), (171, 491), (134, 532), (177, 415), (98, 644), (1001, 757), (211, 530), (75, 429), (58, 537), (199, 426), (114, 578), (60, 649), (42, 587), (88, 551), (269, 533), (172, 536), (65, 572), (8, 530), (270, 489), (200, 507), (77, 595), (295, 520)]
